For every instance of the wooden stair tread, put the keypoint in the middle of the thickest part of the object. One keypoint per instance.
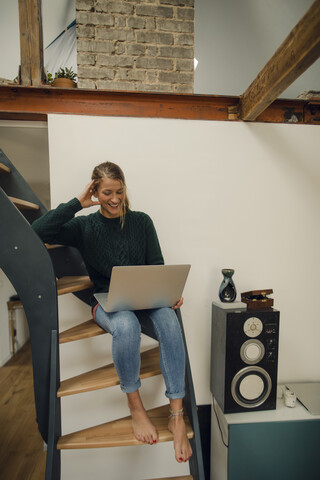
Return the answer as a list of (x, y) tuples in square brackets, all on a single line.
[(73, 284), (119, 432), (106, 376), (23, 204), (184, 477), (4, 168), (84, 330), (69, 285), (50, 246)]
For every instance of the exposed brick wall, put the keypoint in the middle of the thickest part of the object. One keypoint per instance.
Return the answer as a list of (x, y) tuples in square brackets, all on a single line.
[(136, 45)]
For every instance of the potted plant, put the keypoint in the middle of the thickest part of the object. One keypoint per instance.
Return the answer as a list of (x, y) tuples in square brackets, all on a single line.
[(63, 78)]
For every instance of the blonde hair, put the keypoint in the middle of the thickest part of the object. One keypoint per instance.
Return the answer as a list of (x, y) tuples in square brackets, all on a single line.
[(114, 172)]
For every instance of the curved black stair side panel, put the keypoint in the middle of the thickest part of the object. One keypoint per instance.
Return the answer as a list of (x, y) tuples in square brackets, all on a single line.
[(25, 261), (53, 464)]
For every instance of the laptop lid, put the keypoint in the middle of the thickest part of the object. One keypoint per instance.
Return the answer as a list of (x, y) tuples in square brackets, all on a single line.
[(142, 287)]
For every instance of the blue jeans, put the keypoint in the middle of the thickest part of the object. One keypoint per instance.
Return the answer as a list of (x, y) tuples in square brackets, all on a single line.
[(126, 335)]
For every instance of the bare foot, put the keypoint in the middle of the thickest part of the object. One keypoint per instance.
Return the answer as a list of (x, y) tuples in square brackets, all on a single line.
[(181, 443), (143, 429)]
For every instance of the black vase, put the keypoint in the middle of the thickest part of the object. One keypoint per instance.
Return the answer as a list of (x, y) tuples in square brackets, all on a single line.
[(227, 290)]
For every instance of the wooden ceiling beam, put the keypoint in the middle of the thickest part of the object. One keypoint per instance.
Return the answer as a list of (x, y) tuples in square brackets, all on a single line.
[(31, 103), (45, 100), (31, 43), (299, 50)]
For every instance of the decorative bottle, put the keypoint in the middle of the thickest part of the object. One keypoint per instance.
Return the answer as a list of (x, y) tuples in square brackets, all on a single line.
[(227, 290)]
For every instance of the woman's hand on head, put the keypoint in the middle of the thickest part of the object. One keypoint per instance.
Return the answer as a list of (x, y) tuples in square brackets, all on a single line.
[(85, 198), (178, 304)]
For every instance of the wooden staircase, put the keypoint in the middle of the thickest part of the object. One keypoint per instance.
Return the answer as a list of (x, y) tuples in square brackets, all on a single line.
[(54, 276), (118, 432)]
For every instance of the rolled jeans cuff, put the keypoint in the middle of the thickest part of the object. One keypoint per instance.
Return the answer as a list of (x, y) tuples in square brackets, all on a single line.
[(175, 396), (131, 388)]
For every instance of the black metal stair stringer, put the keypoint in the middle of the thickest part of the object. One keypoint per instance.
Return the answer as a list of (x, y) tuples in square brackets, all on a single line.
[(53, 463), (25, 261)]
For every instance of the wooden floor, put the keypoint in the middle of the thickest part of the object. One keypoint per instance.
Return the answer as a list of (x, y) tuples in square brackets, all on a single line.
[(21, 447)]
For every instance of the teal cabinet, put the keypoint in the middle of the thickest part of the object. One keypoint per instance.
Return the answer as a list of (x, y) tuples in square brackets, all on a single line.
[(282, 444)]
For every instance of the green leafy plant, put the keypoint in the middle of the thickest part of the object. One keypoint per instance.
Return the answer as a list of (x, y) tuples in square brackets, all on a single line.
[(62, 73)]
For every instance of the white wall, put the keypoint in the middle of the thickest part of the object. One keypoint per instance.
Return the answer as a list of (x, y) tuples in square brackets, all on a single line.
[(236, 195), (235, 39)]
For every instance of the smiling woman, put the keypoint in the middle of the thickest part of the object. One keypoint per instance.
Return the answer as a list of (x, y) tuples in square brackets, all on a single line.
[(109, 187), (110, 195), (116, 235)]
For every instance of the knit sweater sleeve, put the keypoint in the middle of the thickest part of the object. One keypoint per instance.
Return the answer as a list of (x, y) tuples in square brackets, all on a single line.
[(153, 251), (59, 225)]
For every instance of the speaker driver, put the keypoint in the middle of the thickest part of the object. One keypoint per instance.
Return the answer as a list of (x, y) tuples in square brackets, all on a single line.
[(252, 351), (251, 386)]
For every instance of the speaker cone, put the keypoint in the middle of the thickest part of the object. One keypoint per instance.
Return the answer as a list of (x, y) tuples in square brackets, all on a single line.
[(251, 386), (252, 351)]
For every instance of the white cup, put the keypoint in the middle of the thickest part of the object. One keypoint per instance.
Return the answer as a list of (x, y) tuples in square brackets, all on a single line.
[(290, 399)]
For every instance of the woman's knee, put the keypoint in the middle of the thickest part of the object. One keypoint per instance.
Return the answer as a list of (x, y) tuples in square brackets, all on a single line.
[(166, 321), (126, 325)]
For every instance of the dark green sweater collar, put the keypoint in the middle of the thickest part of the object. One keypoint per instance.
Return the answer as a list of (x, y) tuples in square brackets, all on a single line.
[(110, 221)]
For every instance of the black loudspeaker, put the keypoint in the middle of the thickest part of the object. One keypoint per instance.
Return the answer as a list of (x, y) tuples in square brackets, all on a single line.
[(244, 358)]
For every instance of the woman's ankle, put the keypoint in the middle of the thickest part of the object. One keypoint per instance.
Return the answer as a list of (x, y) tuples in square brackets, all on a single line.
[(134, 401)]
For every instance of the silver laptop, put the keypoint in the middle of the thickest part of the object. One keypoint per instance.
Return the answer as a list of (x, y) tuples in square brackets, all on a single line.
[(144, 286)]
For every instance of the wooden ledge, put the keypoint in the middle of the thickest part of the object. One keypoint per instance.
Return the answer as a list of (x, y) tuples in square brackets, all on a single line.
[(18, 102)]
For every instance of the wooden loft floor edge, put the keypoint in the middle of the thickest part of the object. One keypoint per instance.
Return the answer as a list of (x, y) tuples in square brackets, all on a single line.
[(18, 102)]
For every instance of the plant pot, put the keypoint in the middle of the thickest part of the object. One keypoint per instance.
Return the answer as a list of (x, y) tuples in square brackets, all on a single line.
[(64, 83)]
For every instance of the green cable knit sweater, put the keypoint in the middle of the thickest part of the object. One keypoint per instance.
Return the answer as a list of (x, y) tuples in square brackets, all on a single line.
[(101, 241)]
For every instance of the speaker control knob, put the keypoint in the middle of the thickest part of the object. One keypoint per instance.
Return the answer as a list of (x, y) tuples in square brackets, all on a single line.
[(252, 327)]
